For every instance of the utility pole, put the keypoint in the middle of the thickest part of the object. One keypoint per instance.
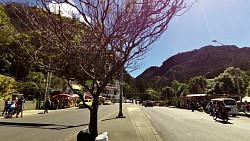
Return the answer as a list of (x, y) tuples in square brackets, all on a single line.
[(235, 72), (237, 82), (48, 79)]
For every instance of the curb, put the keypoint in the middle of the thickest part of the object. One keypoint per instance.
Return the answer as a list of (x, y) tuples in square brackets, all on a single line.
[(151, 126), (39, 111), (243, 114)]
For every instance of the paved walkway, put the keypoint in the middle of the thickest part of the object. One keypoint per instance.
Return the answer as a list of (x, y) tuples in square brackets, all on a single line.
[(134, 127), (33, 112)]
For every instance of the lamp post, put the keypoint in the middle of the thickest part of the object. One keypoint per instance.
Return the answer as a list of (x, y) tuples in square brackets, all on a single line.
[(120, 114)]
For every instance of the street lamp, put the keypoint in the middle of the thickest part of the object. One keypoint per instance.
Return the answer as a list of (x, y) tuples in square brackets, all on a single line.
[(120, 115), (217, 42)]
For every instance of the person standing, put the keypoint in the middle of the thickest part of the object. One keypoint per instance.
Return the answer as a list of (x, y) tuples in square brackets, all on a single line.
[(11, 110), (15, 108), (47, 105), (56, 104), (20, 106), (192, 106)]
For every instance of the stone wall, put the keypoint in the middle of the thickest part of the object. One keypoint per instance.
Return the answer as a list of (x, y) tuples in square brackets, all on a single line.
[(29, 105)]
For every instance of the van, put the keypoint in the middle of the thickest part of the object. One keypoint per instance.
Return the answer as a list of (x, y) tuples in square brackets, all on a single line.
[(228, 102)]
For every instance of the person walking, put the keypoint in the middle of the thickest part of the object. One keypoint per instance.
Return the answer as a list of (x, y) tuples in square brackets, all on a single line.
[(47, 105), (7, 104)]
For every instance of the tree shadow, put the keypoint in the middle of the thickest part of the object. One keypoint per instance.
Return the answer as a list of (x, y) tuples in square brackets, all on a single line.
[(40, 125)]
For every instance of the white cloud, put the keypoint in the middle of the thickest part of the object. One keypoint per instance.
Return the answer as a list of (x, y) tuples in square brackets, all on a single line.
[(64, 9)]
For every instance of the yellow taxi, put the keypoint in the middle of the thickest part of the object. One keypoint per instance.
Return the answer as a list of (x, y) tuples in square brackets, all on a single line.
[(87, 102)]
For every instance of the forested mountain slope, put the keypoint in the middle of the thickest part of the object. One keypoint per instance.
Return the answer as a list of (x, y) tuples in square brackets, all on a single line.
[(208, 60)]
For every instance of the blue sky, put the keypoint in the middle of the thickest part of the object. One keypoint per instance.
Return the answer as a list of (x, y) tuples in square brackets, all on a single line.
[(227, 21)]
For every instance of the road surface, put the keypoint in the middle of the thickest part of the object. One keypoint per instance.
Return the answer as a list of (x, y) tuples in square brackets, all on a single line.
[(54, 126), (173, 124)]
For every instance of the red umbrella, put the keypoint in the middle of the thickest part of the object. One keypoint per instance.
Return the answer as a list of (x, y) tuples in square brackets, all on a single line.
[(53, 98)]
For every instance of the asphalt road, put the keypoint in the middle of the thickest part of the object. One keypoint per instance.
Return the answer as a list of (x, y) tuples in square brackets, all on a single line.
[(174, 124), (54, 126)]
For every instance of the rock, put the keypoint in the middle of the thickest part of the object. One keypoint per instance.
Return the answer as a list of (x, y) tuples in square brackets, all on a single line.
[(84, 135), (102, 137)]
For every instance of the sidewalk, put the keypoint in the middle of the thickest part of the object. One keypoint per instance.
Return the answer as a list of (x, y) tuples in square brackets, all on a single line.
[(134, 127), (34, 112)]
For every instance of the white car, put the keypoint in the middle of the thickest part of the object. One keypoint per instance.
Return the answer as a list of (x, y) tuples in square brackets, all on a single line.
[(228, 102)]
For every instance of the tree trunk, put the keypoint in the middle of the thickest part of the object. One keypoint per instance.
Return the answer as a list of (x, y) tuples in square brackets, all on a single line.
[(93, 120)]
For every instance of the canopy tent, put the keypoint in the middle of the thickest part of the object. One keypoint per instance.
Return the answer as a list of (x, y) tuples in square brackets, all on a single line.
[(76, 87), (195, 95), (246, 98), (74, 96), (88, 95), (53, 98)]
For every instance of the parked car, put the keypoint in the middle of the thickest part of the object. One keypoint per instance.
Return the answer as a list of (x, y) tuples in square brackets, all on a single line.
[(107, 102), (87, 101), (228, 102), (149, 103)]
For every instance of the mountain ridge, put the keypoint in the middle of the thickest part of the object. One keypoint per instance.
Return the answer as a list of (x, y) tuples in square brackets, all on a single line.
[(208, 60)]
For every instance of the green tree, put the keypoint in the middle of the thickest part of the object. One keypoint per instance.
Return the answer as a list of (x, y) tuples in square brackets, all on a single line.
[(33, 86), (58, 84), (183, 90), (184, 93), (5, 40), (195, 85), (177, 87), (226, 82), (153, 94), (7, 86), (14, 46), (168, 92), (248, 90), (128, 91)]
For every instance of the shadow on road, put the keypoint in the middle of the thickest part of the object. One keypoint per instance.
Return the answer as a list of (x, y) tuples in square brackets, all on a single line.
[(109, 119), (40, 125), (224, 122)]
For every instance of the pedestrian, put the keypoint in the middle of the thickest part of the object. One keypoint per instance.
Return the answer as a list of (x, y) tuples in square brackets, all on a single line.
[(56, 103), (11, 110), (192, 105), (246, 107), (47, 105), (7, 104), (20, 106), (211, 108), (15, 102)]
